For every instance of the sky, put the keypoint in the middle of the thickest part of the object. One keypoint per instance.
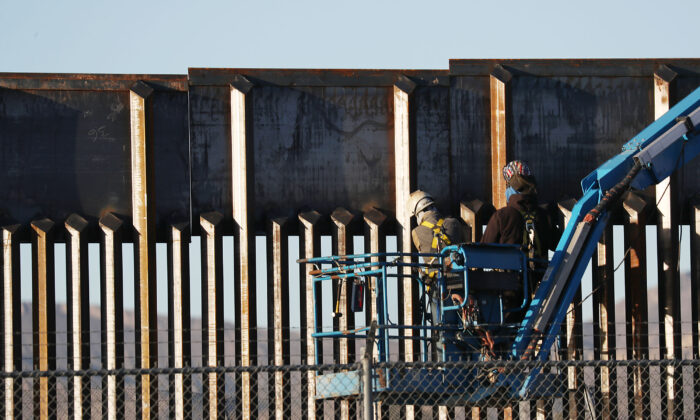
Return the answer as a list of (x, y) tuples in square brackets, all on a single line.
[(167, 37)]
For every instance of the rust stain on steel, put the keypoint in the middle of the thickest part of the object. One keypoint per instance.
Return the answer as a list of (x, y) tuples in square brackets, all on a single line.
[(11, 318), (498, 139), (212, 292), (280, 278), (79, 292), (44, 310), (242, 171), (112, 308), (179, 316), (92, 82), (309, 222), (143, 218)]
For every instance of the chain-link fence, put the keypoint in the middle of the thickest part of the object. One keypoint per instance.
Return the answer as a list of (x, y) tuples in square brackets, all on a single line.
[(510, 389)]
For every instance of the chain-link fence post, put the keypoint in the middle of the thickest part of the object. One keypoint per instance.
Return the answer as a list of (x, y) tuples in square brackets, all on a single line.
[(367, 385)]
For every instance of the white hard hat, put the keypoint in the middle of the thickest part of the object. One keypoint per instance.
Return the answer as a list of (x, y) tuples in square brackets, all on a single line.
[(418, 201)]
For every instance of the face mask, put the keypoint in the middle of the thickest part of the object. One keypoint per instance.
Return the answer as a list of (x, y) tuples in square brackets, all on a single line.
[(510, 191)]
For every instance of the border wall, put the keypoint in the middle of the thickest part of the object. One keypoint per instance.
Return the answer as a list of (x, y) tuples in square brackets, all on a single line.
[(303, 155)]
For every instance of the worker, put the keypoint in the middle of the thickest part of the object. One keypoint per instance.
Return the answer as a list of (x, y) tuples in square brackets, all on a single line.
[(432, 233), (523, 222)]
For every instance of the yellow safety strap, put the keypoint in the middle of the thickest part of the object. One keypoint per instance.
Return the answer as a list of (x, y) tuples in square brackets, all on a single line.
[(437, 232)]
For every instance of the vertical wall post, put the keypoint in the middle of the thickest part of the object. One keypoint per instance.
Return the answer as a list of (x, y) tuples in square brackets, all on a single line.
[(143, 212), (78, 292), (574, 332), (179, 326), (44, 316), (405, 183), (604, 322), (112, 314), (212, 313), (499, 81), (278, 275), (311, 241), (476, 215), (637, 209), (343, 222), (375, 236), (12, 320), (695, 289), (669, 277), (243, 170)]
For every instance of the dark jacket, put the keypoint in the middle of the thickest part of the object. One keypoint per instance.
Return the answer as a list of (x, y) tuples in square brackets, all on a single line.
[(506, 226)]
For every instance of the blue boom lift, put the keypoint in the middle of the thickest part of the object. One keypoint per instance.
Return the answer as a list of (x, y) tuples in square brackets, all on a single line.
[(469, 322)]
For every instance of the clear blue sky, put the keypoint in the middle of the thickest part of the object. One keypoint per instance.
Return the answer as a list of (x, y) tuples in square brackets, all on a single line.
[(170, 36)]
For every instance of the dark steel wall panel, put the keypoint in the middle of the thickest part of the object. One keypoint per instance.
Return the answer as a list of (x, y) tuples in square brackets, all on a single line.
[(322, 148), (66, 151), (433, 160), (566, 126), (469, 137), (690, 173), (210, 150)]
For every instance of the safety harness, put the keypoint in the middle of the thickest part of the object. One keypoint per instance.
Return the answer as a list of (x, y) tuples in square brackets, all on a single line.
[(438, 237), (438, 234), (531, 240)]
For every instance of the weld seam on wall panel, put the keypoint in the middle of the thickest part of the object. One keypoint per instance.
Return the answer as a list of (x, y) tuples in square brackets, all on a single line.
[(143, 211), (212, 310), (311, 241), (242, 182), (604, 322), (78, 292), (12, 321), (112, 313), (637, 209), (278, 273), (44, 316), (667, 233), (179, 326), (499, 84)]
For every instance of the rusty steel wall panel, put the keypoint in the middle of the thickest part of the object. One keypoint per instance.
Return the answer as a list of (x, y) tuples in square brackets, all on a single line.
[(566, 127)]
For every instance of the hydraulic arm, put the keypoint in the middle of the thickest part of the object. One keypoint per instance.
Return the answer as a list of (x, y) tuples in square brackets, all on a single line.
[(647, 159)]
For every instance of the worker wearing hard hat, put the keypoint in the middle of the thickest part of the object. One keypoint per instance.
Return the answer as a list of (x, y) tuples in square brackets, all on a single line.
[(434, 231)]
